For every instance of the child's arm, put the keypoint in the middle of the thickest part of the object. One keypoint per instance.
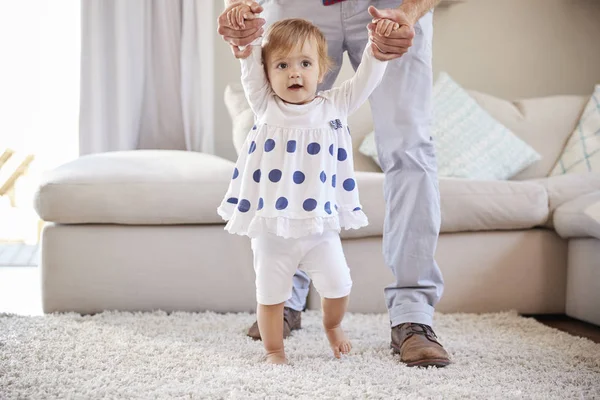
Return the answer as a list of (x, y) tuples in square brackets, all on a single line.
[(254, 80), (255, 84), (356, 90)]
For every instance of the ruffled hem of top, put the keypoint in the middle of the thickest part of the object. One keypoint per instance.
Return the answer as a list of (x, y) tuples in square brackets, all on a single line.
[(285, 227)]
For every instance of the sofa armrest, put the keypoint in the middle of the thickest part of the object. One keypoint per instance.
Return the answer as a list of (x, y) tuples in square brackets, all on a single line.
[(579, 217)]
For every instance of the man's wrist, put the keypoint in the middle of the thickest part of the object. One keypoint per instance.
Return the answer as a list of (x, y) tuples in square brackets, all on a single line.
[(415, 9)]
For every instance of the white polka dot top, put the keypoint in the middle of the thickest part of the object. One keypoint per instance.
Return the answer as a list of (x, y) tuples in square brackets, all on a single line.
[(294, 176)]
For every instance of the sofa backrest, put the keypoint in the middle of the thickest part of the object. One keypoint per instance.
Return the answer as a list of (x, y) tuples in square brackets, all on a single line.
[(545, 123)]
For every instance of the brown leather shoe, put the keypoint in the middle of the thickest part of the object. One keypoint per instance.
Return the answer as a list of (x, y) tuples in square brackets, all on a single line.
[(418, 346), (291, 322)]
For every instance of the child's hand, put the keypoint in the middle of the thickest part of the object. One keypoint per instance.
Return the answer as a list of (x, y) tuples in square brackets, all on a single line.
[(385, 26), (238, 14)]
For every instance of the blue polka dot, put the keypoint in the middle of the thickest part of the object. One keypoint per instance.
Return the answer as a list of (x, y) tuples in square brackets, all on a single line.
[(313, 148), (269, 145), (298, 177), (275, 175), (357, 209), (342, 155), (333, 180), (336, 207), (244, 206), (309, 204), (291, 146), (254, 128), (260, 204), (232, 200), (281, 203), (323, 176), (235, 173), (256, 175), (252, 147), (331, 149), (328, 208), (349, 184)]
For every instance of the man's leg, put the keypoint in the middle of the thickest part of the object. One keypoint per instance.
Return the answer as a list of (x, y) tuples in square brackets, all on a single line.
[(401, 108), (327, 19)]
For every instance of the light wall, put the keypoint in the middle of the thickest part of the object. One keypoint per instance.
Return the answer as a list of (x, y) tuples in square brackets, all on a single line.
[(507, 48)]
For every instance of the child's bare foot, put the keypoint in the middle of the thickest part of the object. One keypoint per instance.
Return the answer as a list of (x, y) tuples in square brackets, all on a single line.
[(276, 358), (338, 341)]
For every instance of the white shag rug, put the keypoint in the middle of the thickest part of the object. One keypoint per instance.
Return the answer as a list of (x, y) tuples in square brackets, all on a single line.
[(206, 355)]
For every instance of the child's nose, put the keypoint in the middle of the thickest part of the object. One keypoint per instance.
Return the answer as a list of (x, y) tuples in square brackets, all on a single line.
[(294, 73)]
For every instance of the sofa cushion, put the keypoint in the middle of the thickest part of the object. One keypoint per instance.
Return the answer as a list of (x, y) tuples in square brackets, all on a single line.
[(466, 205), (469, 143), (141, 187), (544, 123), (147, 187), (582, 151), (579, 217)]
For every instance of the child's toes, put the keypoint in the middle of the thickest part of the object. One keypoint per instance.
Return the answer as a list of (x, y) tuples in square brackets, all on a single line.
[(346, 348), (336, 352)]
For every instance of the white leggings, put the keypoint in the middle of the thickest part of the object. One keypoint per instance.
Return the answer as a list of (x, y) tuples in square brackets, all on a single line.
[(321, 256)]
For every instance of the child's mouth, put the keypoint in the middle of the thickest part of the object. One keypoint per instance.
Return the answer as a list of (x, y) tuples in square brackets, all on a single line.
[(295, 87)]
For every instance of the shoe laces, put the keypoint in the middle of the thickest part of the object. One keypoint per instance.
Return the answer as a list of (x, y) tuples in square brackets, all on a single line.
[(421, 329)]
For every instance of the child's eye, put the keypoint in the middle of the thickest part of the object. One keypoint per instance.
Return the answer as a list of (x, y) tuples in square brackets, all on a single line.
[(282, 66), (306, 64)]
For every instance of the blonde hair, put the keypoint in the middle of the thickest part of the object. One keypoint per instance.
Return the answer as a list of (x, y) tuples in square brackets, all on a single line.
[(283, 36)]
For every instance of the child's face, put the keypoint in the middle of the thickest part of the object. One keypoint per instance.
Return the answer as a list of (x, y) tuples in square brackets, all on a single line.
[(294, 77)]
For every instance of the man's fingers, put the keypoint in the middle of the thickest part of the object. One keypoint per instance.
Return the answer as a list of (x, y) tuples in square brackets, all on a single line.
[(383, 56), (378, 14), (235, 18), (240, 18), (241, 53), (386, 48), (390, 42), (251, 27), (229, 23), (244, 41)]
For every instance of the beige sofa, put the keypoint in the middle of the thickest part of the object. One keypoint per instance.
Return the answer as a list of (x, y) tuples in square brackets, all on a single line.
[(139, 230)]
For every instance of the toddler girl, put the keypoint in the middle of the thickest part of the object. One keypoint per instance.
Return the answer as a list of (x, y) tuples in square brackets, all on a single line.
[(293, 186)]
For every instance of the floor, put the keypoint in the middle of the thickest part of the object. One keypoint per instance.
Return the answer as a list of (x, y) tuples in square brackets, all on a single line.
[(20, 293)]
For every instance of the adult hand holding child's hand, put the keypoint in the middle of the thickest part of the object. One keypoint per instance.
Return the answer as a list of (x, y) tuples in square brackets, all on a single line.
[(239, 26), (391, 32)]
